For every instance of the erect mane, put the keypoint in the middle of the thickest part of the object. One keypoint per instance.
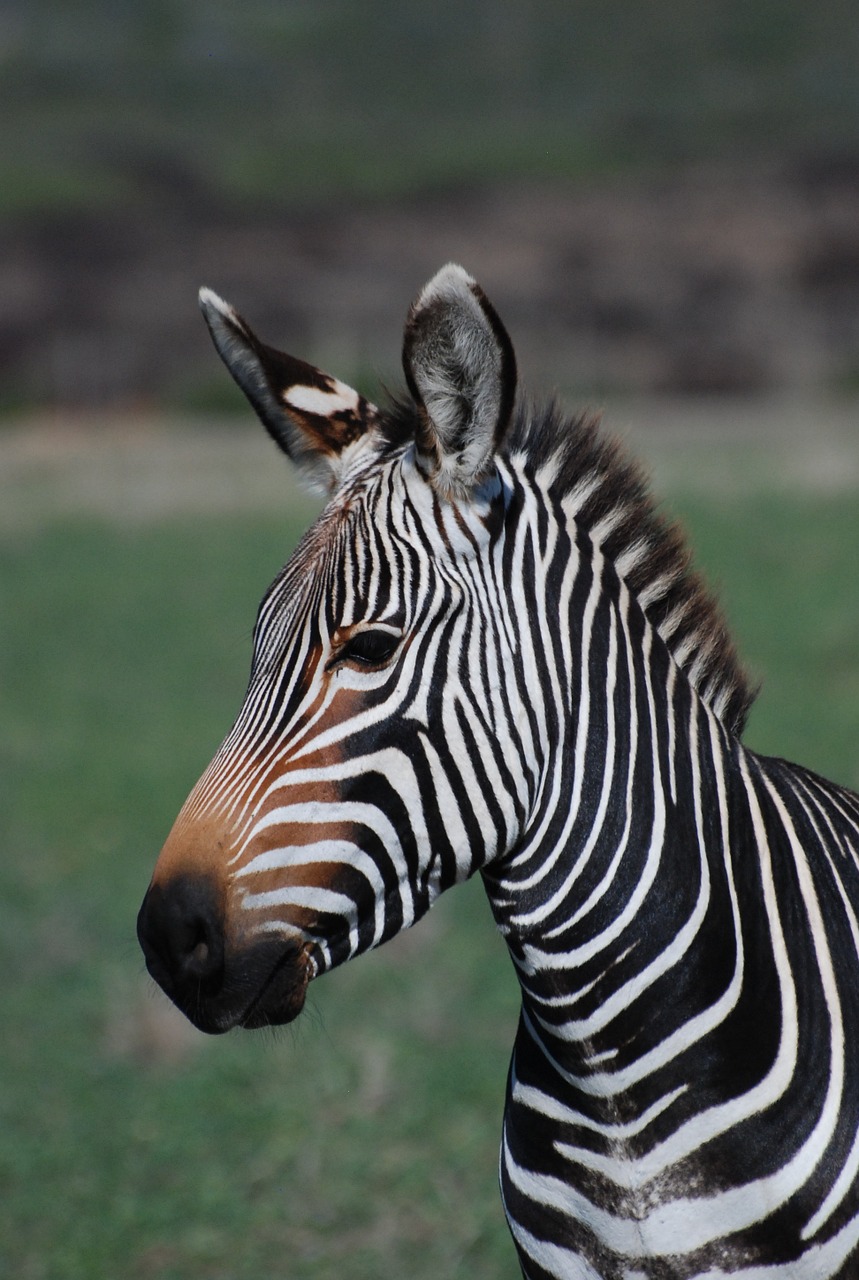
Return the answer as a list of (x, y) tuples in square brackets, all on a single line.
[(610, 499)]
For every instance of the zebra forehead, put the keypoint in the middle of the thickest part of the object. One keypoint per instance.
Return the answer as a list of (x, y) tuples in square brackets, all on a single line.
[(387, 502), (337, 532)]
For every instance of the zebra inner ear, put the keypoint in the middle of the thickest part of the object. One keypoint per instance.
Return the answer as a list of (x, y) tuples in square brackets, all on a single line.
[(310, 415), (461, 371)]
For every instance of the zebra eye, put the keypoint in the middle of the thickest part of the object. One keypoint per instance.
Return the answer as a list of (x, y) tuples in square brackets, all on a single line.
[(369, 648)]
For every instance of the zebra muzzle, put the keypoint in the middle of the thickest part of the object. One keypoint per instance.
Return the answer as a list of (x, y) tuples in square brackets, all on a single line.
[(217, 986)]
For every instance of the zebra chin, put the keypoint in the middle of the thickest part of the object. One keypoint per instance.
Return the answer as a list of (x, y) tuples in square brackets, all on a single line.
[(219, 983)]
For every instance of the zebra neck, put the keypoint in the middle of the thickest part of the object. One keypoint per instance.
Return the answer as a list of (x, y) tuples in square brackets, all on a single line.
[(610, 926)]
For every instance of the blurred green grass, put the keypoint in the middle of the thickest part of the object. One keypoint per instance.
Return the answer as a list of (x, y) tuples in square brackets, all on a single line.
[(363, 1141)]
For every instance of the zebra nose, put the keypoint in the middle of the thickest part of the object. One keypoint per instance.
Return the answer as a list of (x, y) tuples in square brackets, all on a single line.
[(180, 932)]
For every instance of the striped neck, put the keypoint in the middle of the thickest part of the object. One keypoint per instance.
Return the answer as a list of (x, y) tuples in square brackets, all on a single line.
[(618, 862)]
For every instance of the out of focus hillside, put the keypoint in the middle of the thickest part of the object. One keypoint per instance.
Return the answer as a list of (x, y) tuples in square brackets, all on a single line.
[(658, 199)]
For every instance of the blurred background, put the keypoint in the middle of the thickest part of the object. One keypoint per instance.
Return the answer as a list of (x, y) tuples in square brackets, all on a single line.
[(666, 199), (663, 204)]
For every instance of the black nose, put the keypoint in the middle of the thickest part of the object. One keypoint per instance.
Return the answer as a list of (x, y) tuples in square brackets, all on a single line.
[(180, 929)]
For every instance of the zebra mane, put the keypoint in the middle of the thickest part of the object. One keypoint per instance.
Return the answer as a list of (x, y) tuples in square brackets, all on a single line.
[(609, 497)]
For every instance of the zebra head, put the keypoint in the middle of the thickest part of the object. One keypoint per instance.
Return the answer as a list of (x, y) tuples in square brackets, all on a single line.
[(330, 818)]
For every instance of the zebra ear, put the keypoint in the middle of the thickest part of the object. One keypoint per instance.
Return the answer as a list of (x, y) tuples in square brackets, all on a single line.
[(461, 371), (310, 415)]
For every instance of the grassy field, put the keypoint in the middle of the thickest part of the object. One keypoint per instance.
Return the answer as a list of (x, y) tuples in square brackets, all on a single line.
[(362, 1142)]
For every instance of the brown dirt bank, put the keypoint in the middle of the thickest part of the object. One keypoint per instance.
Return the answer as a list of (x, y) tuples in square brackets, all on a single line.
[(711, 281)]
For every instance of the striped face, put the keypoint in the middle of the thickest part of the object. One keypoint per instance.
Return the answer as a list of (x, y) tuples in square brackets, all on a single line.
[(329, 820)]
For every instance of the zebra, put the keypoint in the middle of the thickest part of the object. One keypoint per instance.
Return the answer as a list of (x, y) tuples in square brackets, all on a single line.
[(491, 653)]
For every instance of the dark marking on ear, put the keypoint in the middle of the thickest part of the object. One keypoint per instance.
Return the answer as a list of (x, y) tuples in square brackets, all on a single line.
[(310, 415)]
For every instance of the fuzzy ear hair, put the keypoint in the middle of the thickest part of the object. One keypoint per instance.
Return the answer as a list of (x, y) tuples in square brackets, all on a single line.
[(310, 415), (461, 370)]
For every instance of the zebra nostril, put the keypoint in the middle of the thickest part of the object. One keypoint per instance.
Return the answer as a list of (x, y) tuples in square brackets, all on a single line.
[(201, 954), (180, 932)]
